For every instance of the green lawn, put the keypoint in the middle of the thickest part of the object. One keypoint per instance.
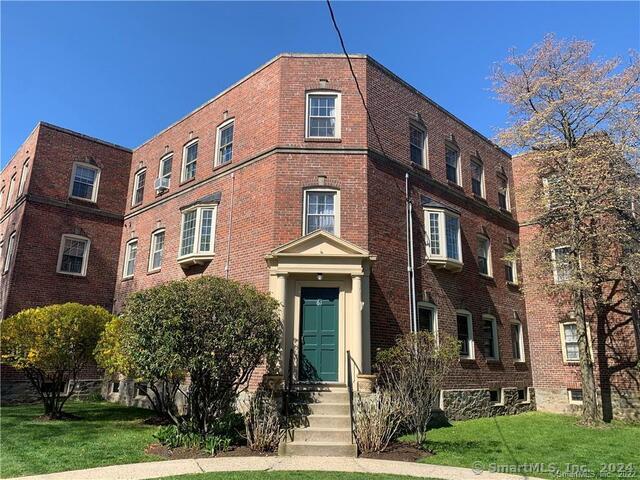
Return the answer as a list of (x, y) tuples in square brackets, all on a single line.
[(531, 438), (108, 434), (289, 476)]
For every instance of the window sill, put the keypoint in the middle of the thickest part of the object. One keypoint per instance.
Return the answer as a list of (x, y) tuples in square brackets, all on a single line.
[(571, 363), (455, 185), (505, 211), (153, 272), (83, 200), (446, 263), (421, 168), (127, 279), (513, 284), (323, 139), (220, 166), (136, 205), (486, 276), (480, 198), (184, 182), (74, 275), (195, 259)]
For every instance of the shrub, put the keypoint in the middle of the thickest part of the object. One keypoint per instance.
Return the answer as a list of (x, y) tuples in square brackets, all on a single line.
[(262, 421), (173, 436), (51, 345), (414, 371), (378, 418)]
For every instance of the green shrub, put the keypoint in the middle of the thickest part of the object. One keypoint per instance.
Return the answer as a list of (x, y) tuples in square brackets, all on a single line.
[(51, 345), (173, 436)]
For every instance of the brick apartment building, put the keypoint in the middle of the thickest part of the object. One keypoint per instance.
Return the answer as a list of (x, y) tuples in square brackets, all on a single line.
[(281, 181)]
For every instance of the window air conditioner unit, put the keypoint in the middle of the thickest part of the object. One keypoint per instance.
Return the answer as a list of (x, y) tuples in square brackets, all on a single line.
[(161, 184)]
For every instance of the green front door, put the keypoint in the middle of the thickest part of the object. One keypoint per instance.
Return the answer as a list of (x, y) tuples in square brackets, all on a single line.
[(319, 335)]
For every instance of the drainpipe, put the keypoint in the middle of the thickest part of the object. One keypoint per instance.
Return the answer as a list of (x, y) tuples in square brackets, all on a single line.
[(230, 223), (410, 265)]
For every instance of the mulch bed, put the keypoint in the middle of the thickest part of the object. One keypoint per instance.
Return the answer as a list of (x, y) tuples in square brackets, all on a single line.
[(183, 453), (399, 451)]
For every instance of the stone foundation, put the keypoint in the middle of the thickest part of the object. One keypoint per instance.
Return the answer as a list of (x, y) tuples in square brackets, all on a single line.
[(624, 405), (13, 393), (467, 404)]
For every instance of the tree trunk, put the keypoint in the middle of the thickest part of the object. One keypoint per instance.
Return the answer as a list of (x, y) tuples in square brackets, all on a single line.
[(590, 411)]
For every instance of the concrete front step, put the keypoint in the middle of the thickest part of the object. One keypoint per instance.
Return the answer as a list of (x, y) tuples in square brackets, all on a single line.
[(318, 449), (322, 435), (324, 408), (315, 397), (322, 421)]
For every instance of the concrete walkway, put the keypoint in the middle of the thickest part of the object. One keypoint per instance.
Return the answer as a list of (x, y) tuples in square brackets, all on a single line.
[(142, 471)]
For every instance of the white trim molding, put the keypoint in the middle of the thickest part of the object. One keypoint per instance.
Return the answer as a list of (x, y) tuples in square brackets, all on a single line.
[(197, 254), (337, 113), (223, 126), (94, 187), (471, 354), (437, 246), (85, 254), (336, 208)]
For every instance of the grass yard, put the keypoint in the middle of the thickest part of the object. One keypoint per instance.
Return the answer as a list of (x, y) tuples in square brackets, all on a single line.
[(289, 476), (535, 437), (107, 434)]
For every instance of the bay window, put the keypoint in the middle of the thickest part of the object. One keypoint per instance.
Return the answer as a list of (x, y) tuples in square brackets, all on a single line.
[(197, 234), (443, 239)]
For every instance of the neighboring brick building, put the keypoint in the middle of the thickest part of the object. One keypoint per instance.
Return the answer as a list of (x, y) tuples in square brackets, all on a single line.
[(553, 335), (62, 199), (281, 181)]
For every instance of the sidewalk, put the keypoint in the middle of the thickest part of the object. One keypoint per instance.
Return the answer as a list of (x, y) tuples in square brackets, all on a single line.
[(142, 471)]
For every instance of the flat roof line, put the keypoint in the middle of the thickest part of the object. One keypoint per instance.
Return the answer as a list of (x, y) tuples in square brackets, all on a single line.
[(83, 136)]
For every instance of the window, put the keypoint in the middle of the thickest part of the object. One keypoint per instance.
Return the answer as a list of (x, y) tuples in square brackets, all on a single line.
[(84, 182), (522, 395), (131, 251), (115, 387), (323, 115), (510, 268), (224, 153), (503, 193), (166, 164), (140, 389), (189, 159), (569, 338), (465, 333), (197, 236), (452, 157), (322, 211), (477, 177), (517, 342), (427, 318), (1, 197), (443, 239), (74, 255), (561, 260), (156, 250), (575, 396), (495, 396), (12, 184), (138, 187), (23, 177), (490, 333), (417, 143), (484, 256), (11, 246)]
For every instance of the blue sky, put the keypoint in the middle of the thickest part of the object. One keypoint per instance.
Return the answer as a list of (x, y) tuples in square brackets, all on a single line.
[(122, 71)]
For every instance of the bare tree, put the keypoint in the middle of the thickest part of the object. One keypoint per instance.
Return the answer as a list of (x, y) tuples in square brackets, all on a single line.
[(578, 119)]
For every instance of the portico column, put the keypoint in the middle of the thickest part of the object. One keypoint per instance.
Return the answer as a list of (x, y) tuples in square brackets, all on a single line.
[(356, 322), (281, 296)]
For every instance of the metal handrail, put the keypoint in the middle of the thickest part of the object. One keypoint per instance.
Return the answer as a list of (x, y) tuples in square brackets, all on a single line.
[(350, 390)]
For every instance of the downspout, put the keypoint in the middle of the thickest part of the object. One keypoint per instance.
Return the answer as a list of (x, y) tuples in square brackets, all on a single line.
[(230, 223), (410, 264)]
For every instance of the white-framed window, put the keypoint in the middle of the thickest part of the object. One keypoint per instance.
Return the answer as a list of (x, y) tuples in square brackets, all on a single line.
[(189, 160), (510, 267), (452, 159), (428, 318), (73, 257), (504, 202), (561, 261), (523, 395), (197, 235), (477, 177), (490, 337), (224, 141), (569, 340), (85, 180), (12, 185), (443, 238), (418, 145), (156, 251), (130, 254), (138, 187), (321, 210), (496, 396), (575, 396), (517, 341), (1, 196), (23, 177), (166, 165), (484, 256), (323, 114), (11, 248), (464, 322)]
